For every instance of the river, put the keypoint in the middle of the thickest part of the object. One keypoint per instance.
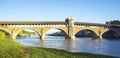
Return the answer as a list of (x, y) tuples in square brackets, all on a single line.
[(81, 44)]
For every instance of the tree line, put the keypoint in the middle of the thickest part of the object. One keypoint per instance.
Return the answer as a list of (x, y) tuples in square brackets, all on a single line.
[(117, 22)]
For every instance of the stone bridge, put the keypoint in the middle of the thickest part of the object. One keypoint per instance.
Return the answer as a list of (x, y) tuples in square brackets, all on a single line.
[(69, 27)]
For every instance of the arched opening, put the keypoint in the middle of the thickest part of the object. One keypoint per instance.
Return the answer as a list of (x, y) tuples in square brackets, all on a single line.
[(55, 34), (27, 33), (86, 33), (4, 34), (28, 37), (111, 34)]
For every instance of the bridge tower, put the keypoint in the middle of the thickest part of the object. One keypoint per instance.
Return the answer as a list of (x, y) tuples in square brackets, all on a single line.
[(70, 22)]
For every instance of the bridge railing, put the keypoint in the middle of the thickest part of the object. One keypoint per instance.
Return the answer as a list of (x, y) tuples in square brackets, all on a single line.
[(33, 25)]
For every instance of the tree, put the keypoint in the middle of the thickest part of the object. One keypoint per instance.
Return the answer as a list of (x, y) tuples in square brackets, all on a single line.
[(114, 22)]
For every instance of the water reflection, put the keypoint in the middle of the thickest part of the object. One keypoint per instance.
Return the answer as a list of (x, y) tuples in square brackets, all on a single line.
[(106, 47), (69, 44)]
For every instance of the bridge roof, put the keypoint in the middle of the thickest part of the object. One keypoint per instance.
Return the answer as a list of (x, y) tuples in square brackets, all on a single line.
[(97, 24), (86, 23), (32, 22), (53, 22)]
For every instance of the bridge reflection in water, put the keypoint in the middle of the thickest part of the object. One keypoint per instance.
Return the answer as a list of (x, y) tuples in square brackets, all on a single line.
[(81, 44)]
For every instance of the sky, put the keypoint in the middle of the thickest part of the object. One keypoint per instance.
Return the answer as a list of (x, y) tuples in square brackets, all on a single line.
[(93, 11)]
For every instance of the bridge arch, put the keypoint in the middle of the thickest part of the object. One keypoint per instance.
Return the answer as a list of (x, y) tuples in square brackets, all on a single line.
[(88, 32), (6, 31), (111, 34), (61, 29), (64, 31), (16, 33)]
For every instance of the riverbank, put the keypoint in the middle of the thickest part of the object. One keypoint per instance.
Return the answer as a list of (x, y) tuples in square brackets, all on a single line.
[(11, 49)]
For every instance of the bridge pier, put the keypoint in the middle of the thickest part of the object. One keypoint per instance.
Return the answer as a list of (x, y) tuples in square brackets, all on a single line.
[(70, 37), (100, 37), (42, 37), (13, 37), (100, 33)]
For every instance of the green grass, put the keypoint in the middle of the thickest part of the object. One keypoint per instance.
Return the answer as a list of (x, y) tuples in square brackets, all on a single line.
[(11, 49)]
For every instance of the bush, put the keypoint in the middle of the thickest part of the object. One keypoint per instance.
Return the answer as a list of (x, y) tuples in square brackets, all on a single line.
[(2, 34)]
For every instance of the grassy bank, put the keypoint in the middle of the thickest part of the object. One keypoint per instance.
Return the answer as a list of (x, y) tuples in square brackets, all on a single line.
[(11, 49)]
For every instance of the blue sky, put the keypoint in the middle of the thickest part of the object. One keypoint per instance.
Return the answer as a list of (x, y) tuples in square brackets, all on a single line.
[(95, 11)]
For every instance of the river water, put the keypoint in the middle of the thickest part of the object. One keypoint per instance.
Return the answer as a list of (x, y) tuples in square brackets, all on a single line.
[(81, 44)]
